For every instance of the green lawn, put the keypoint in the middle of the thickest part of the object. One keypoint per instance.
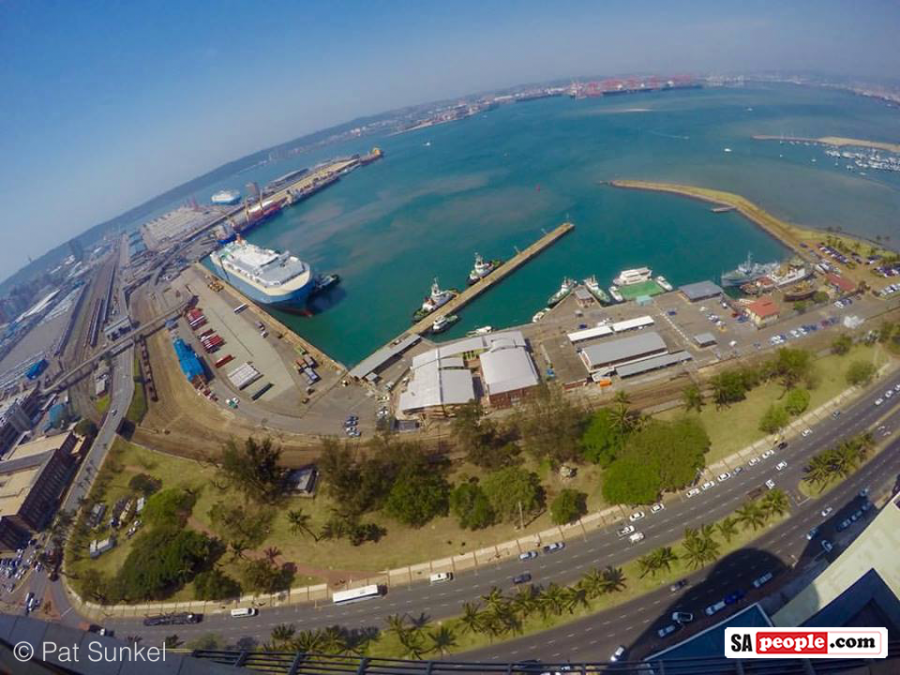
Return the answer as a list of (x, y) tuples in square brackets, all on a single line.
[(102, 404), (138, 406), (733, 428)]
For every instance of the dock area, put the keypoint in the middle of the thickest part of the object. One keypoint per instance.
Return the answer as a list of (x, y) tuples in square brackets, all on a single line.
[(494, 277)]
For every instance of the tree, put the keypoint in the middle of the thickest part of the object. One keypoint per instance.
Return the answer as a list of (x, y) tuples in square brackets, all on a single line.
[(550, 425), (248, 523), (575, 597), (886, 331), (729, 386), (480, 438), (85, 428), (272, 553), (471, 620), (169, 507), (775, 503), (471, 506), (774, 419), (860, 373), (841, 344), (592, 582), (552, 600), (262, 576), (524, 602), (172, 641), (93, 585), (751, 515), (792, 366), (145, 484), (692, 398), (300, 523), (397, 624), (253, 469), (602, 440), (613, 580), (820, 297), (443, 639), (631, 480), (568, 507), (647, 564), (676, 447), (215, 585), (417, 497), (727, 527), (512, 491), (821, 469), (282, 634), (797, 401)]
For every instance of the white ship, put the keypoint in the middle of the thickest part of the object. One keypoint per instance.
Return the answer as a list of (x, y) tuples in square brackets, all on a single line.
[(442, 323), (662, 281), (614, 292), (540, 315), (594, 289), (226, 197), (265, 276), (635, 276), (484, 330), (565, 288), (481, 269), (437, 298)]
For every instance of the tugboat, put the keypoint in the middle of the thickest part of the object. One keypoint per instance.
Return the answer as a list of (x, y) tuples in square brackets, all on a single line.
[(442, 323), (567, 286), (594, 289), (484, 330), (323, 283), (482, 268), (662, 281), (614, 292), (438, 298)]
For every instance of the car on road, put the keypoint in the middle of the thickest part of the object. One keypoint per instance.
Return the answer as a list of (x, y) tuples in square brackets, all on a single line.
[(856, 516), (889, 393), (768, 453), (624, 530), (764, 579), (879, 401), (693, 492), (678, 585), (636, 537), (554, 547), (813, 533), (866, 506), (770, 484), (754, 461), (732, 598), (656, 508), (667, 630), (618, 654), (521, 578), (835, 414), (864, 492), (717, 607), (528, 555), (708, 484), (114, 411), (826, 546), (806, 432), (244, 612), (637, 515), (723, 477), (826, 512), (781, 446), (843, 525), (737, 470), (682, 617), (781, 466)]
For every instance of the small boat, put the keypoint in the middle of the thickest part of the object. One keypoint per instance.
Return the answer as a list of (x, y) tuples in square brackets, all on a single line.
[(614, 292), (662, 281), (484, 330), (594, 289), (482, 268), (565, 288), (727, 150), (540, 315), (325, 282), (442, 323), (438, 298)]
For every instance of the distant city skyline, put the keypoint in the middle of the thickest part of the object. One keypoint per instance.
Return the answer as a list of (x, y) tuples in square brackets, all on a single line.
[(108, 105)]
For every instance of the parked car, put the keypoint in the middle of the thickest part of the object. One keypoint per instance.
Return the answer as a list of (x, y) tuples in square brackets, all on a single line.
[(826, 511), (682, 617), (667, 630), (678, 585), (813, 533), (656, 508), (708, 484), (826, 545), (843, 525), (717, 607), (618, 654), (521, 578), (693, 492), (637, 515), (528, 555), (732, 598), (723, 477), (554, 547), (770, 484), (806, 432), (764, 579), (625, 530), (781, 466)]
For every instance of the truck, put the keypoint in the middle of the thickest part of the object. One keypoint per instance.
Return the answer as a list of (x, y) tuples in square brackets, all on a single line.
[(172, 619), (222, 361)]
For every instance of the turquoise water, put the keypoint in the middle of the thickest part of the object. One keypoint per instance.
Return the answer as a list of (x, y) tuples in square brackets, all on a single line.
[(492, 183)]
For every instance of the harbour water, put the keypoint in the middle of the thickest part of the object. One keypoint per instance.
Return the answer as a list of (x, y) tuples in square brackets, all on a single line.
[(492, 183)]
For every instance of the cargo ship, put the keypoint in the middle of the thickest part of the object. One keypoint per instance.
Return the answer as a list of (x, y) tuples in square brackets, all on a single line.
[(267, 277), (748, 271), (226, 197)]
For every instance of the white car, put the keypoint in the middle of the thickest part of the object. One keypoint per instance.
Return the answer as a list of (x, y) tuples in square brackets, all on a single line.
[(618, 654), (693, 492), (708, 484), (879, 401), (768, 453), (753, 462), (723, 477), (637, 515), (897, 387), (770, 484), (712, 609), (636, 537), (889, 393), (656, 508), (806, 432), (627, 529), (781, 466), (826, 511)]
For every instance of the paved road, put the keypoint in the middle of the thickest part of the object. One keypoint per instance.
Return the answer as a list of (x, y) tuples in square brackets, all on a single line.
[(596, 549)]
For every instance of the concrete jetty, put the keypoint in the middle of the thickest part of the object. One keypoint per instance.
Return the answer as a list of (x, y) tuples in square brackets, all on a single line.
[(494, 277)]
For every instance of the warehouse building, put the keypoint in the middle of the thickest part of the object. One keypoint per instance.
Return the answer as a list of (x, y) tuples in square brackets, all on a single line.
[(438, 386), (508, 374), (702, 290), (604, 357), (763, 312), (32, 479)]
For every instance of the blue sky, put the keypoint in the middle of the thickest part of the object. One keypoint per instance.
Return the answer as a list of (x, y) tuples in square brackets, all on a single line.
[(106, 104)]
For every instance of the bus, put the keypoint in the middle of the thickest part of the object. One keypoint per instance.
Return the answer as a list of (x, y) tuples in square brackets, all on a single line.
[(262, 390), (240, 308), (357, 594)]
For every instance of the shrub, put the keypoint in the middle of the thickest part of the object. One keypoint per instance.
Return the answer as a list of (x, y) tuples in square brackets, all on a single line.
[(568, 507), (471, 507)]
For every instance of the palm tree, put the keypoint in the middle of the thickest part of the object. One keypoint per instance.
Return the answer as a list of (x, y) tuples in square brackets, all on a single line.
[(775, 503), (866, 443), (524, 602), (692, 398), (593, 583), (172, 642), (847, 458), (621, 398), (334, 640), (693, 552), (397, 624), (728, 529), (751, 515), (308, 641), (575, 597), (237, 547), (271, 553), (613, 579), (493, 599), (552, 599), (413, 644), (819, 470), (664, 556), (471, 619), (647, 564), (300, 523), (621, 418), (442, 640), (283, 633)]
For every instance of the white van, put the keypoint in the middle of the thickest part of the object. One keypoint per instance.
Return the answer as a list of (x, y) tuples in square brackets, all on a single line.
[(440, 577), (243, 612), (636, 537)]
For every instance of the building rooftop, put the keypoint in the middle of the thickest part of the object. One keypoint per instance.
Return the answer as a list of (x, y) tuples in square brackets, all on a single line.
[(438, 382), (21, 468), (35, 447), (508, 369), (623, 349), (704, 339), (700, 290), (377, 359), (842, 283), (651, 364), (475, 344), (763, 308)]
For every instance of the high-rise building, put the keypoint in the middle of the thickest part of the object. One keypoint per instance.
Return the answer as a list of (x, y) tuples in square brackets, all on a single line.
[(77, 249)]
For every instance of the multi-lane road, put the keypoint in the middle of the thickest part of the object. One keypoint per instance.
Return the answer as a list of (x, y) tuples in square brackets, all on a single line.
[(782, 546)]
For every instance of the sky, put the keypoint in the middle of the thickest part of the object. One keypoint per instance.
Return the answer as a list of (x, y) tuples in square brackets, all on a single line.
[(106, 104)]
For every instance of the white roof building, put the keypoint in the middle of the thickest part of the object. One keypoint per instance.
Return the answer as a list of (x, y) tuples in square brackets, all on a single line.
[(507, 369), (437, 383)]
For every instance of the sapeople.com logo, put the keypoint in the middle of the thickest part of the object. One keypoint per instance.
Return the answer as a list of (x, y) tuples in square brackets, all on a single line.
[(826, 643)]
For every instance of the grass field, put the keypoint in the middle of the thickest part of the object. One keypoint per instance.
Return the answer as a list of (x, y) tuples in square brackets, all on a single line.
[(138, 406), (102, 404), (733, 428)]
